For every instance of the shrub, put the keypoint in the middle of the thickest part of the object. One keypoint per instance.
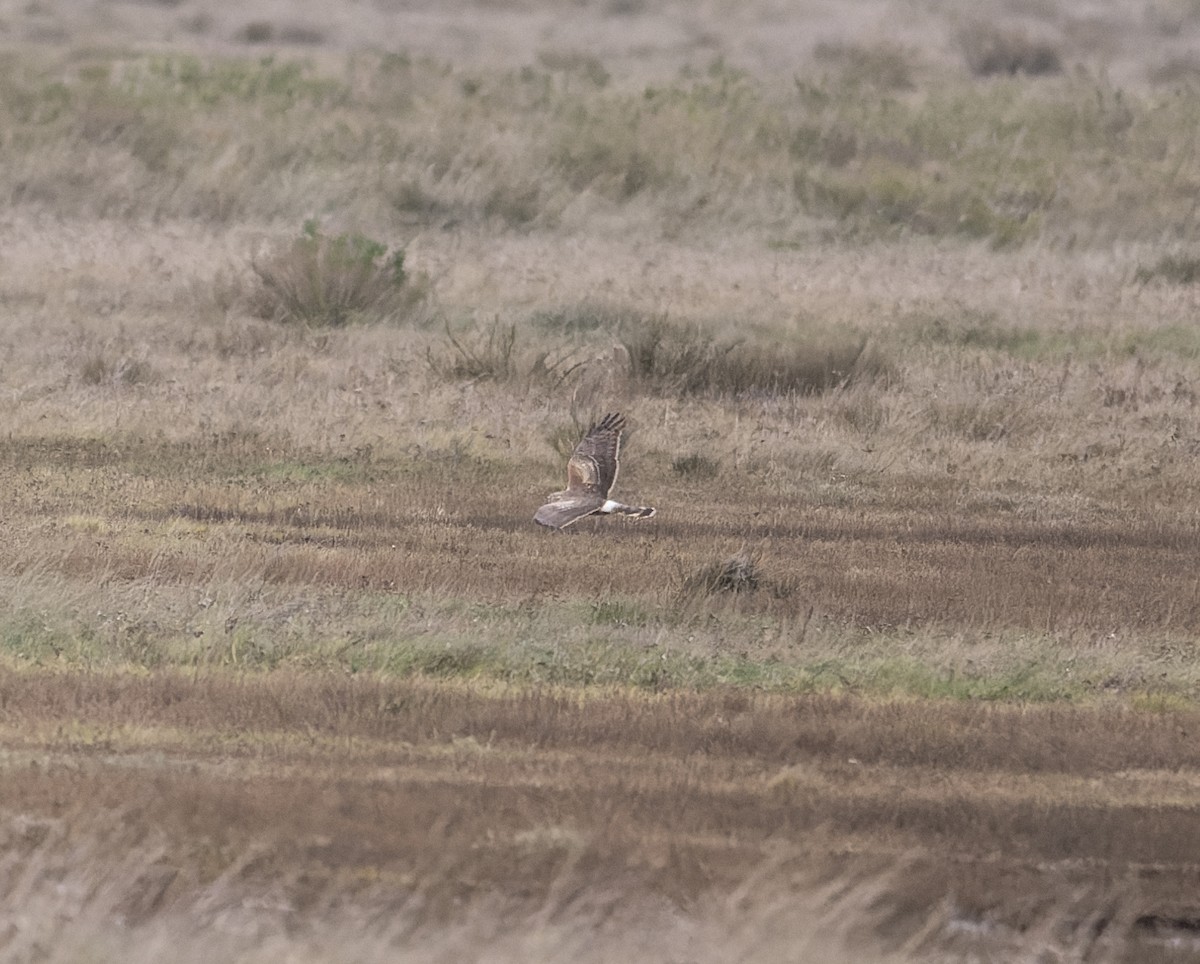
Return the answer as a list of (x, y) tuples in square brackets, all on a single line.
[(738, 574), (696, 465), (669, 357), (889, 199), (988, 50), (490, 355), (323, 280), (611, 151), (101, 369), (256, 32), (686, 359), (885, 66), (575, 62), (1176, 268), (583, 318), (302, 35), (513, 203)]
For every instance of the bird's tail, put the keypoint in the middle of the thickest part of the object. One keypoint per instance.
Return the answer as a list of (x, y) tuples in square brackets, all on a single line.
[(618, 508)]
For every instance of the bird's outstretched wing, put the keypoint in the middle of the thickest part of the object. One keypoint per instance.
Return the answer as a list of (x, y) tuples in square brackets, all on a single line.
[(567, 507), (594, 463), (591, 472)]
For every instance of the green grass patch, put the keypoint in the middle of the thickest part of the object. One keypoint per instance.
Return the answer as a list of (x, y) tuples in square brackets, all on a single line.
[(1024, 681), (318, 470), (613, 642), (207, 83), (45, 639)]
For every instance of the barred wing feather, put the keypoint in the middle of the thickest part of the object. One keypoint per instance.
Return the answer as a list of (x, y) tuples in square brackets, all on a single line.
[(591, 472)]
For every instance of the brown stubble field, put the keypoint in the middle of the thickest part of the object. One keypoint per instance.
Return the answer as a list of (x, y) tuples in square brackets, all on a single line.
[(286, 670)]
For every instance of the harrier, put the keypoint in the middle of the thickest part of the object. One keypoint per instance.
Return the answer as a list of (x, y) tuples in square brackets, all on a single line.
[(591, 472)]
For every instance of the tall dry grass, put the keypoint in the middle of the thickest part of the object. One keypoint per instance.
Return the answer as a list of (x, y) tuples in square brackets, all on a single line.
[(439, 819), (909, 361), (1004, 508), (888, 144)]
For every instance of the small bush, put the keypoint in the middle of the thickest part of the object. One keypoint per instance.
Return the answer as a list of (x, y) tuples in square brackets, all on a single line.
[(608, 152), (889, 199), (696, 466), (669, 357), (835, 145), (983, 330), (1177, 71), (582, 318), (575, 62), (996, 418), (989, 50), (302, 36), (199, 23), (738, 574), (492, 353), (1176, 269), (256, 32), (323, 280), (100, 369), (618, 612), (885, 66), (514, 203), (489, 355), (420, 204), (685, 359)]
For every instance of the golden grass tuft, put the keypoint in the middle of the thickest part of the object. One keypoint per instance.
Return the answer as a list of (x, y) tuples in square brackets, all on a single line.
[(318, 279)]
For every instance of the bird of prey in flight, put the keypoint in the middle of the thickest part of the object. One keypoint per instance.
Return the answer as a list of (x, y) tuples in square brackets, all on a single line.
[(591, 472)]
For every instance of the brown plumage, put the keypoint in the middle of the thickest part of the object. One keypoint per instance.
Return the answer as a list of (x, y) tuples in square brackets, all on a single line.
[(591, 472)]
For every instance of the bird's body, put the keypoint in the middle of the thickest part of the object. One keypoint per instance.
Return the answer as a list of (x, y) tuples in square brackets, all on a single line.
[(591, 473)]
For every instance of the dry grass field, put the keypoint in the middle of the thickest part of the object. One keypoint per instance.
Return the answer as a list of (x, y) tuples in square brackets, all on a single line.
[(300, 314)]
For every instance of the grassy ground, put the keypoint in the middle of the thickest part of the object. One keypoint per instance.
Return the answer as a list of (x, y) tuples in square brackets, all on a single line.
[(549, 823), (296, 330)]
